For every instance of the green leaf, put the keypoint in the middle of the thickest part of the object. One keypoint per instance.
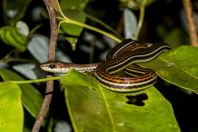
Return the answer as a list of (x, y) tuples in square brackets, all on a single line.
[(94, 108), (178, 66), (31, 98), (73, 9), (130, 23), (11, 36), (70, 28), (72, 41), (73, 4), (22, 28), (11, 110)]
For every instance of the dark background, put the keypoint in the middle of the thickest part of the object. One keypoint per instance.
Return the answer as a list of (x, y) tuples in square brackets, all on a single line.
[(161, 13)]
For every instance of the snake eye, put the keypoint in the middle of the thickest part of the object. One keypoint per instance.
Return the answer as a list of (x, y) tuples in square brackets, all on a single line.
[(52, 66)]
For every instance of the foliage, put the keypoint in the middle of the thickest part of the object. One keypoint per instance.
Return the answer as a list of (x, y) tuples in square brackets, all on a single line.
[(85, 29)]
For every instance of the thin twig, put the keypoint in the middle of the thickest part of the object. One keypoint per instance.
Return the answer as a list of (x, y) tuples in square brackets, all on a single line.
[(50, 86), (191, 23), (34, 80)]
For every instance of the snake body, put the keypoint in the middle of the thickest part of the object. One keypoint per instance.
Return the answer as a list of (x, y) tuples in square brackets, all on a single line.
[(123, 56)]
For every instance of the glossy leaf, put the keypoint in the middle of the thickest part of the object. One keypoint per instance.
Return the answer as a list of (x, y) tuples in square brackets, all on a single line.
[(31, 98), (26, 69), (130, 23), (38, 47), (22, 28), (62, 126), (178, 66), (94, 108), (11, 110)]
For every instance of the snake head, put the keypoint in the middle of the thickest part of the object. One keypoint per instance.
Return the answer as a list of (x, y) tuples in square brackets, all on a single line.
[(55, 67)]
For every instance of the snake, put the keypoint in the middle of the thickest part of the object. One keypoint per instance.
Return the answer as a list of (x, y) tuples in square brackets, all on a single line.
[(125, 56)]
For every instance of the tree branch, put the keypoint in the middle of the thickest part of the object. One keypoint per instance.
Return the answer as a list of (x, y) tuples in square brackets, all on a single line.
[(191, 23), (51, 57)]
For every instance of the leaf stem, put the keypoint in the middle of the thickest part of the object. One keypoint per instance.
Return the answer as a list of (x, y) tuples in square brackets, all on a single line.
[(65, 19), (36, 80), (70, 21), (102, 23)]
